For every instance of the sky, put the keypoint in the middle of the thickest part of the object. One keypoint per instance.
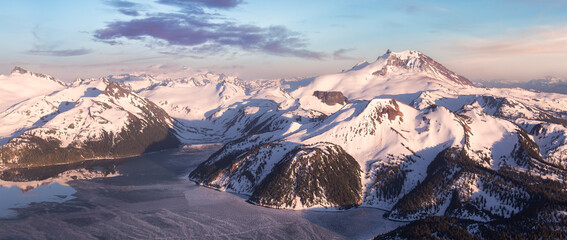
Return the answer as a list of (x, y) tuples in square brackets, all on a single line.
[(481, 40)]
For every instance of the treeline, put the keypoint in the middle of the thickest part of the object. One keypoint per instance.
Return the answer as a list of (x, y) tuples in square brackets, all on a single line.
[(321, 174), (443, 227)]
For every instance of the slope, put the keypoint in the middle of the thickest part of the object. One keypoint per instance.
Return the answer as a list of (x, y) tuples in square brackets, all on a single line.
[(98, 119), (22, 84)]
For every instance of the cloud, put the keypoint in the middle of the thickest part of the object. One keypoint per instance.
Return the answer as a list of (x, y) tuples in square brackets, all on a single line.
[(120, 3), (340, 54), (129, 12), (44, 47), (125, 7), (60, 53), (190, 4), (203, 35), (537, 40), (415, 7), (539, 3)]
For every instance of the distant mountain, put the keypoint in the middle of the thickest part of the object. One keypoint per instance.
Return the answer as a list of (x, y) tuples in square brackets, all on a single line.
[(548, 84), (213, 107), (21, 71), (402, 74), (22, 84), (189, 97)]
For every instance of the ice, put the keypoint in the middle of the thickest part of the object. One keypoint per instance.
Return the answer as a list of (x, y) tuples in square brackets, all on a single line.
[(151, 199), (14, 197)]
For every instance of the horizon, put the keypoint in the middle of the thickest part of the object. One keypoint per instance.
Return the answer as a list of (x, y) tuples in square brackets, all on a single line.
[(511, 40)]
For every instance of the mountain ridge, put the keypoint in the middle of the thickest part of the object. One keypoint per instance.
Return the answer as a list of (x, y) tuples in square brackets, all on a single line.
[(103, 120), (22, 71), (407, 134)]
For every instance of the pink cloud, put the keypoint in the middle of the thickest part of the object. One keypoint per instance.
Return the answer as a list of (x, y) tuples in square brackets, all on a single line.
[(537, 40)]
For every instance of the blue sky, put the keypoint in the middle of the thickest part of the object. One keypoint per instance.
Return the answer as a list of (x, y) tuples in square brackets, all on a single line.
[(482, 40)]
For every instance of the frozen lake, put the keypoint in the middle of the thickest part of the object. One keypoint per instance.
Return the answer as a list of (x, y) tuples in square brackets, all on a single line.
[(148, 197)]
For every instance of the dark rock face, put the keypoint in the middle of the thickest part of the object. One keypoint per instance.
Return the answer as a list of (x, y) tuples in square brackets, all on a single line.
[(115, 90), (331, 97), (19, 70), (391, 111)]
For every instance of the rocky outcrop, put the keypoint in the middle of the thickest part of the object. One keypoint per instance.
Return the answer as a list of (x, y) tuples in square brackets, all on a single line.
[(331, 97)]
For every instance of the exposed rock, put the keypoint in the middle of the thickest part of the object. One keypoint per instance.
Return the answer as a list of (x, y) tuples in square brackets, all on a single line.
[(331, 97), (422, 63)]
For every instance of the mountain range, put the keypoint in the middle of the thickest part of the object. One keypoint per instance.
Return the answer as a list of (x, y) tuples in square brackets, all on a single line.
[(92, 119), (547, 84), (402, 133)]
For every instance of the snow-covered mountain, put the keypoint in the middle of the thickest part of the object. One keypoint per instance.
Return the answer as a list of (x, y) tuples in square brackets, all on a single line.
[(213, 107), (424, 141), (403, 75), (22, 84), (547, 84), (91, 120), (401, 133)]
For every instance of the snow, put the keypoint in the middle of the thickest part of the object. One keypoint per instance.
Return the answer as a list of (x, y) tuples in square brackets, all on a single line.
[(54, 192), (444, 206), (358, 66), (72, 115), (463, 118), (17, 87), (402, 118), (421, 133), (405, 55), (53, 189)]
